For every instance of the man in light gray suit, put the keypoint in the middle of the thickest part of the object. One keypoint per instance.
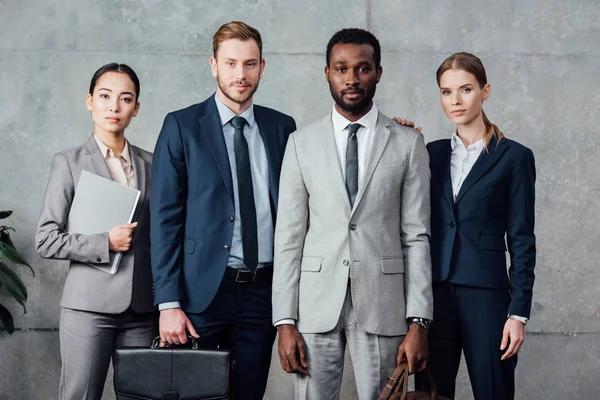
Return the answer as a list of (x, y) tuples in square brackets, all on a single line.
[(352, 263)]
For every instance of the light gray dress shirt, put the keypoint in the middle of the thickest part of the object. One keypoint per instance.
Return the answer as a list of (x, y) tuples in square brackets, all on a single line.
[(260, 183)]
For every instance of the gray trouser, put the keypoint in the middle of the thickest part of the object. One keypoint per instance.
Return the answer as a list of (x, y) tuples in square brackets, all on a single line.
[(88, 340), (373, 359)]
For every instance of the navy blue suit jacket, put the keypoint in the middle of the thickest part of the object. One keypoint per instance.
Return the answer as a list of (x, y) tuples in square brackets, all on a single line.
[(467, 234), (192, 199)]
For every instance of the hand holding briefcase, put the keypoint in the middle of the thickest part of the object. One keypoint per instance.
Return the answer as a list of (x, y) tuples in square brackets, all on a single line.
[(169, 373), (396, 387)]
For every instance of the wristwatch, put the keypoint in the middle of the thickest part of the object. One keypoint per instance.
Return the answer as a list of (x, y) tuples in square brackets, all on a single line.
[(517, 318), (422, 322)]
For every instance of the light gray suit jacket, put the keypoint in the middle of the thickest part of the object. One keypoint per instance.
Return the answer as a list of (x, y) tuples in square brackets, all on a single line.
[(381, 244), (88, 288)]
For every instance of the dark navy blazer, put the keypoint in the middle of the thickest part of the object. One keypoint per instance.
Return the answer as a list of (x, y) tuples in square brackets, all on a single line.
[(467, 234), (191, 200)]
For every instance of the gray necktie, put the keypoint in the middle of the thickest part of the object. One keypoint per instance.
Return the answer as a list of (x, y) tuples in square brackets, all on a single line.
[(352, 163)]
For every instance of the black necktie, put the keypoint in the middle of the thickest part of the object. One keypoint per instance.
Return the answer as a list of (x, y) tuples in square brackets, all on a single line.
[(352, 163), (245, 194)]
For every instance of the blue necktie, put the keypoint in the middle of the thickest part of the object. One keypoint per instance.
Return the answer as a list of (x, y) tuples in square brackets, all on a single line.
[(245, 194)]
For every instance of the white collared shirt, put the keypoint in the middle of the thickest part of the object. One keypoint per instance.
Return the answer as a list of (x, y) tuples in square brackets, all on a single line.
[(462, 160), (120, 168), (365, 136)]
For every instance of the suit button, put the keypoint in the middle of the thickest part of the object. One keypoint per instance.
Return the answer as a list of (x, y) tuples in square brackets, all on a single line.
[(230, 218), (346, 263), (452, 225), (98, 259), (352, 227), (226, 248)]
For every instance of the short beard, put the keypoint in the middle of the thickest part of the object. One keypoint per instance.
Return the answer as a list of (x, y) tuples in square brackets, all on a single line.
[(239, 100), (356, 108)]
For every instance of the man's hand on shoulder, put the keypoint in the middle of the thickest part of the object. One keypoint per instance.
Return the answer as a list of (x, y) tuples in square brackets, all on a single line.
[(174, 326), (292, 349), (413, 349)]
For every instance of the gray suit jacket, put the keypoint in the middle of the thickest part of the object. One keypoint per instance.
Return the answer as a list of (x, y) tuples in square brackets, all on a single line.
[(381, 245), (88, 288)]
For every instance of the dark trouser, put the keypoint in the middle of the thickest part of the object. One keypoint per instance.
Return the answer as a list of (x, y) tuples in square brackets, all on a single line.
[(470, 319), (88, 341), (239, 319)]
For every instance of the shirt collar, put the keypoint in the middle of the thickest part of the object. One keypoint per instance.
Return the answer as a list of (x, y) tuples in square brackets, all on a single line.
[(369, 120), (478, 145), (225, 114), (107, 152)]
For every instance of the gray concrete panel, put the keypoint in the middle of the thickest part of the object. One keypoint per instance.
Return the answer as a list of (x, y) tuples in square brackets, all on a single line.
[(173, 26), (551, 27), (542, 62)]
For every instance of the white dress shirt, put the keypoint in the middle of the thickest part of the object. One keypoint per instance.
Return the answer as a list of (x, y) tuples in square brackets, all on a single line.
[(462, 160), (365, 136)]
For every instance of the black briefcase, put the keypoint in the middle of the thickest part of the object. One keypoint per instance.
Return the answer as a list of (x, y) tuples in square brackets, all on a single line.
[(171, 373)]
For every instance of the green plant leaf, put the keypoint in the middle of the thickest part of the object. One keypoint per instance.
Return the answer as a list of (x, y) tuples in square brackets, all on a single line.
[(7, 320), (5, 236), (13, 284), (5, 214), (8, 251)]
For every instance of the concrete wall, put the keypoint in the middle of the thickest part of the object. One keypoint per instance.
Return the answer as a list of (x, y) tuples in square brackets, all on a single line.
[(542, 58)]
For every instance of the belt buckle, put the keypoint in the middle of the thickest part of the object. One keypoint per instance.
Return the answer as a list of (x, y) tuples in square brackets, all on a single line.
[(240, 271)]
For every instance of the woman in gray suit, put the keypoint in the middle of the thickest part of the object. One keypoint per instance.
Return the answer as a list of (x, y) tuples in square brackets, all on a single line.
[(101, 311)]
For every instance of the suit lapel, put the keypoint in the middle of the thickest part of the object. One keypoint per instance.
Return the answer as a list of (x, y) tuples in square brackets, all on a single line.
[(331, 156), (268, 133), (213, 131), (443, 171), (382, 134), (96, 163), (483, 164), (139, 170)]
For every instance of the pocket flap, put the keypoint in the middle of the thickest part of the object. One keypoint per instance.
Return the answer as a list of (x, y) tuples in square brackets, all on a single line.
[(492, 242), (392, 265), (188, 246), (312, 264)]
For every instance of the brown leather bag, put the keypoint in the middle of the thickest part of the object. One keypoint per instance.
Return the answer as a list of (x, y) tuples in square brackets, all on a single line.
[(396, 387)]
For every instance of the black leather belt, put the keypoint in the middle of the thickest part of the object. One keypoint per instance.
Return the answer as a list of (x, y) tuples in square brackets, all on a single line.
[(247, 276)]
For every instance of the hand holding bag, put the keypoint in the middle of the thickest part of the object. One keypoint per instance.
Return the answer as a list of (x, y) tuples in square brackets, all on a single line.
[(396, 387), (167, 373)]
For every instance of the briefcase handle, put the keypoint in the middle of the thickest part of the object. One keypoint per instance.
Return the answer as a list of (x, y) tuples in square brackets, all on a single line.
[(156, 343), (398, 383)]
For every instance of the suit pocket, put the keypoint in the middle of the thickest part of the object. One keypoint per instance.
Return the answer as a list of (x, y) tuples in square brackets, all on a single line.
[(311, 264), (392, 165), (492, 242), (392, 265), (189, 245)]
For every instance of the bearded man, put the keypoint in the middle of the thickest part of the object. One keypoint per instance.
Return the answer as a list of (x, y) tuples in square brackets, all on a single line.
[(352, 260), (213, 203)]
